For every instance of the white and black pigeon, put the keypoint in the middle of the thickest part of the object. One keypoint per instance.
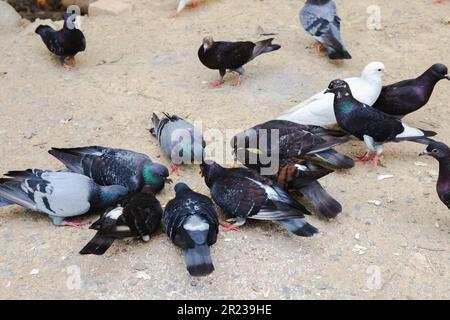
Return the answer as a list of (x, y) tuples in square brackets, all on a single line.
[(407, 96), (64, 43), (137, 215), (441, 152), (246, 194), (318, 110), (371, 125), (319, 18), (60, 195), (191, 222), (108, 166), (179, 139)]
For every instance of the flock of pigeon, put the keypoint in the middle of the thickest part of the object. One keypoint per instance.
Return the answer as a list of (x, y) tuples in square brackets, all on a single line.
[(123, 183)]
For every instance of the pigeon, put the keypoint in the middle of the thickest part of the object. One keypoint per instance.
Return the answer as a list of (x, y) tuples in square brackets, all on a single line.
[(64, 43), (191, 222), (296, 140), (232, 56), (297, 168), (369, 124), (318, 110), (404, 97), (441, 152), (137, 215), (180, 140), (244, 193), (108, 166), (319, 18), (58, 194)]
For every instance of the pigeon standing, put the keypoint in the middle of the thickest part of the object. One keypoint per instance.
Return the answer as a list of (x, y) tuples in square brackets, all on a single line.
[(369, 124), (180, 140), (108, 166), (232, 56), (319, 18), (405, 97), (297, 168), (137, 215), (244, 193), (192, 224), (64, 43), (58, 194), (318, 110), (441, 152)]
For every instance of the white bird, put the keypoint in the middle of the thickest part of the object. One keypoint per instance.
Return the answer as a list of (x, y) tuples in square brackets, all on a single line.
[(318, 110)]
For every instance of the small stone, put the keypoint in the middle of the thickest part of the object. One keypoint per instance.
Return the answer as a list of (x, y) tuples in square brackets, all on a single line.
[(34, 272), (29, 133), (375, 202), (385, 176), (419, 261), (140, 267), (357, 236), (143, 275), (109, 7)]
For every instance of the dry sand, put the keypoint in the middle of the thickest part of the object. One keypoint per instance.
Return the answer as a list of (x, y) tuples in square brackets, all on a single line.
[(143, 62)]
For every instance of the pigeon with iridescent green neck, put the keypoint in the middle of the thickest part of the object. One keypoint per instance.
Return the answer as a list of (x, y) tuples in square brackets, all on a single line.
[(108, 166)]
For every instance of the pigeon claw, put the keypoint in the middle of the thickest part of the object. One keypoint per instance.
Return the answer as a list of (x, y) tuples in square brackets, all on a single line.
[(175, 169), (74, 224), (375, 161), (192, 5), (217, 84), (364, 158), (238, 81), (229, 227)]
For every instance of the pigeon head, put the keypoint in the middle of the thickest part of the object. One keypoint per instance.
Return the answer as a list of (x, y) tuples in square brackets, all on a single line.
[(374, 71), (208, 170), (155, 175), (440, 71), (181, 187), (208, 42), (70, 21), (437, 150), (338, 87)]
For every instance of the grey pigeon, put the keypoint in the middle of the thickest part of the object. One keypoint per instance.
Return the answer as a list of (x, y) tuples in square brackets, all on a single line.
[(179, 139), (319, 18), (136, 215), (191, 222), (58, 194), (108, 166)]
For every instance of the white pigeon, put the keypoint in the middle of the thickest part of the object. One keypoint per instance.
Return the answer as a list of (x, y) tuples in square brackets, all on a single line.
[(318, 110)]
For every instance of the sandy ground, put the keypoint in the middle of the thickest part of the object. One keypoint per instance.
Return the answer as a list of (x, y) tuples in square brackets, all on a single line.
[(144, 62)]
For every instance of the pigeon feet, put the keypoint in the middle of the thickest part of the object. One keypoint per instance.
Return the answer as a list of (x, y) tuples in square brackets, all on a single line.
[(238, 81), (175, 169), (192, 5), (69, 63), (364, 158), (375, 161), (74, 224), (173, 15), (217, 84), (319, 47), (229, 226)]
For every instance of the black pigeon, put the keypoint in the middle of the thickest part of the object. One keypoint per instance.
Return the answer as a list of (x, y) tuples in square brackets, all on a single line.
[(179, 139), (192, 224), (369, 124), (244, 193), (232, 56), (60, 195), (441, 152), (137, 215), (319, 18), (295, 165), (64, 43), (109, 166), (296, 140), (407, 96)]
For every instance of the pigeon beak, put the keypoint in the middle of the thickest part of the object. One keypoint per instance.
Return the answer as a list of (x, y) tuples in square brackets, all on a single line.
[(168, 180), (447, 77), (424, 153), (328, 91), (205, 47)]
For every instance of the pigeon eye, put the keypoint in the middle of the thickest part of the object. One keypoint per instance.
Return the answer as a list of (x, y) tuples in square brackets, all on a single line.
[(435, 151), (380, 70)]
